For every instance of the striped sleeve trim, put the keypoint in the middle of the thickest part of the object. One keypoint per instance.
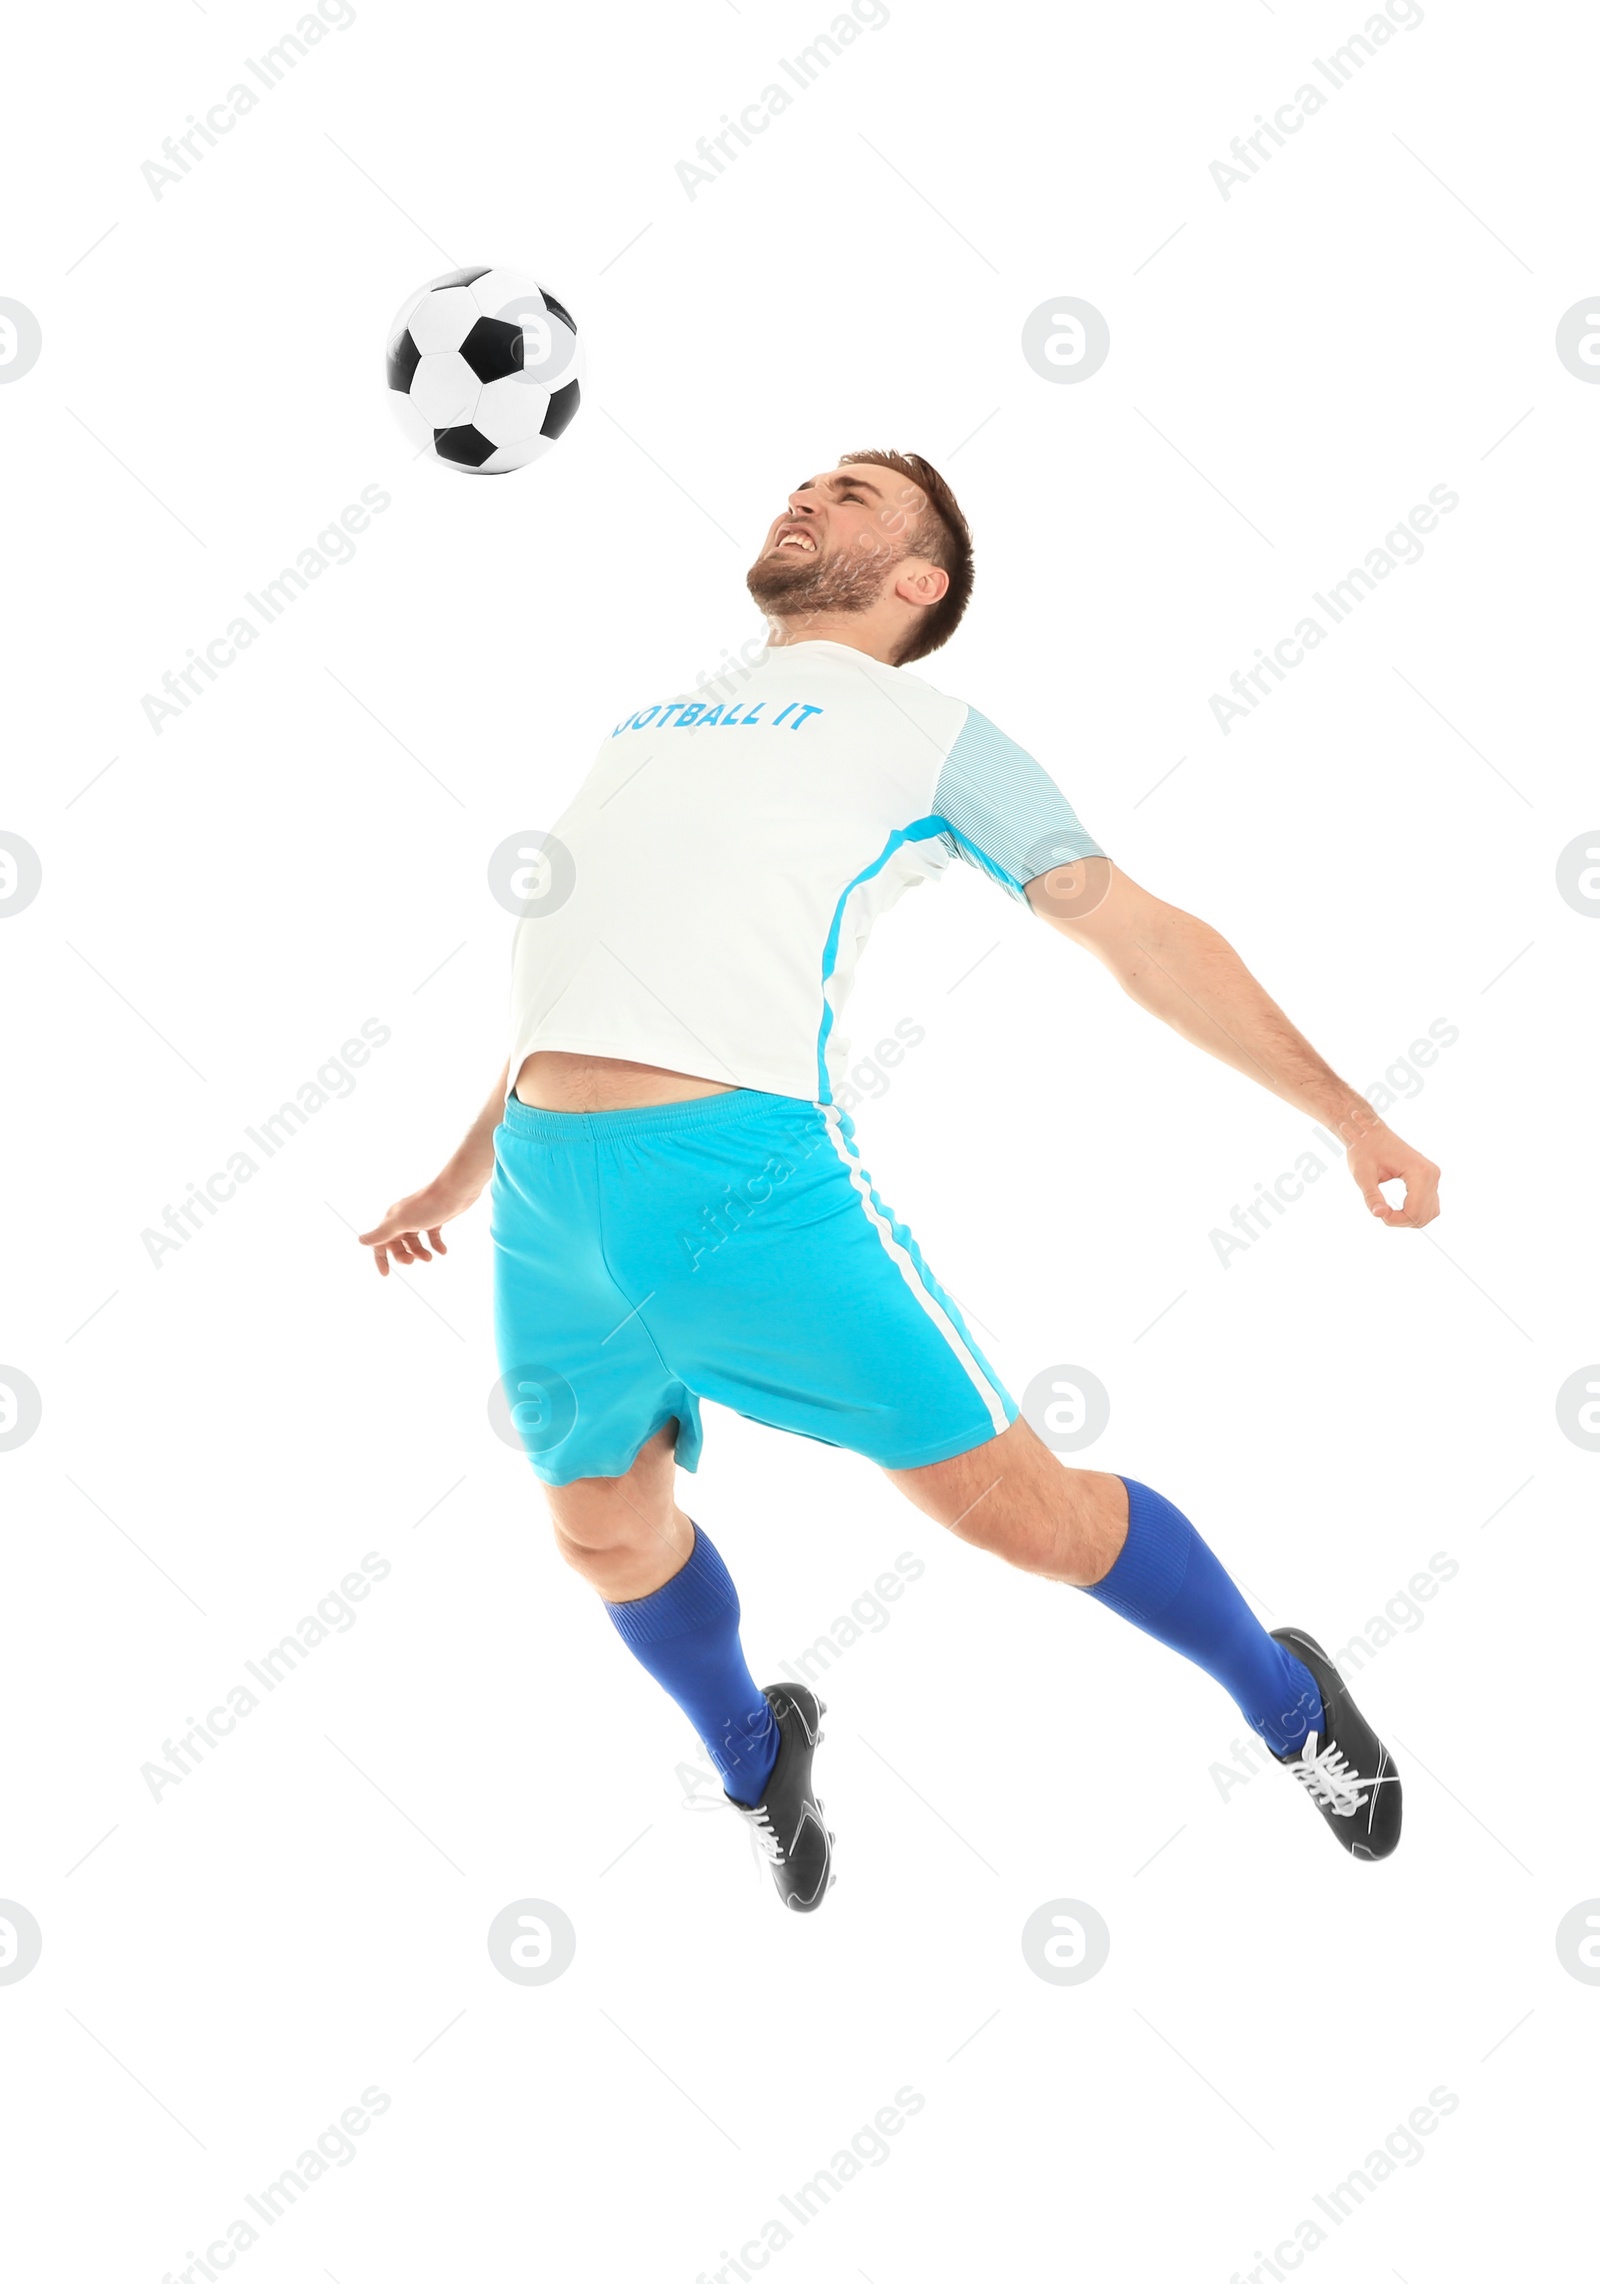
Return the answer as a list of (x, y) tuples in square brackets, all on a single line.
[(1005, 814)]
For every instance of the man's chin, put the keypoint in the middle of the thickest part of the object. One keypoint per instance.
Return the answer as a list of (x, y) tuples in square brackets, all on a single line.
[(772, 583), (786, 588)]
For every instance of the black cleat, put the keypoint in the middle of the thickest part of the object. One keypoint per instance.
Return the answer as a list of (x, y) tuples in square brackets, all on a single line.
[(1347, 1769), (786, 1822)]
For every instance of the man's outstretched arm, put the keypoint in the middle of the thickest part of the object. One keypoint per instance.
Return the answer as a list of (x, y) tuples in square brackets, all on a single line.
[(1183, 971), (412, 1223)]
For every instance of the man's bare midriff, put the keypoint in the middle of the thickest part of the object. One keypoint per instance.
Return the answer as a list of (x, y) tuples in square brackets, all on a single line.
[(550, 1080)]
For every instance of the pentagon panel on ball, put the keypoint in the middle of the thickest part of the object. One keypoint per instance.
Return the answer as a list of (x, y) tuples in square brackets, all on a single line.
[(485, 369)]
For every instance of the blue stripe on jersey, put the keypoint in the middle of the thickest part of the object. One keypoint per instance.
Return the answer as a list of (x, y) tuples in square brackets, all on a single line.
[(1005, 814), (925, 829), (995, 808)]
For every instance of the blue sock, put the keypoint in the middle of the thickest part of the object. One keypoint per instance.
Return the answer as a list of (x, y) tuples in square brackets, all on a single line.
[(1168, 1582), (687, 1634)]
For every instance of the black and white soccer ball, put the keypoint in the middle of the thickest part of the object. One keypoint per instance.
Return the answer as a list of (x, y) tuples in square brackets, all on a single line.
[(485, 369)]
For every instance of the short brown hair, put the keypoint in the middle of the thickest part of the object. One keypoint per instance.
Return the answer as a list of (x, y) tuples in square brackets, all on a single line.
[(945, 541)]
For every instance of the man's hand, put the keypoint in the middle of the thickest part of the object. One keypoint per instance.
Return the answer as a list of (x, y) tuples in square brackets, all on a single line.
[(400, 1235), (1380, 1156)]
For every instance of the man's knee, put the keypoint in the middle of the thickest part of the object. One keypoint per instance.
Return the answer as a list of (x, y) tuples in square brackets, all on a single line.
[(600, 1514), (606, 1518), (583, 1533)]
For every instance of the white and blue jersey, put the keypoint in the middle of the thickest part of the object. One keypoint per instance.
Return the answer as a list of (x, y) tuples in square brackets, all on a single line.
[(718, 874), (724, 863)]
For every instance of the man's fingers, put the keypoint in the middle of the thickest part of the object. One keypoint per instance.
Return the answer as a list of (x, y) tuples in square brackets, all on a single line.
[(392, 1244), (397, 1241), (1422, 1197), (394, 1224), (1421, 1202)]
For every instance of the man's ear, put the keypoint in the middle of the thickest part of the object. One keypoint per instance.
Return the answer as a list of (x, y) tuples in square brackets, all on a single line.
[(921, 583)]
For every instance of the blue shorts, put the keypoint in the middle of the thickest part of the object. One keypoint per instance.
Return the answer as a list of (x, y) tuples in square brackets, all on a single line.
[(732, 1248)]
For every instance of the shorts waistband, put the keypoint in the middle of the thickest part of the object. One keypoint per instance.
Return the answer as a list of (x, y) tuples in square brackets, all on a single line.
[(652, 1118)]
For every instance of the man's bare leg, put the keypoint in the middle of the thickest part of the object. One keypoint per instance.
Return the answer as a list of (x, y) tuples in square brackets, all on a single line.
[(1131, 1549), (626, 1534), (1013, 1498)]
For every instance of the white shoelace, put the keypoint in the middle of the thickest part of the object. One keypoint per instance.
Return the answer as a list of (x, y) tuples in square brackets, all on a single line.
[(765, 1837), (1329, 1778)]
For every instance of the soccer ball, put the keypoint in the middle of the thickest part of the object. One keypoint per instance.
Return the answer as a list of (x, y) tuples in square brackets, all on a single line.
[(484, 369)]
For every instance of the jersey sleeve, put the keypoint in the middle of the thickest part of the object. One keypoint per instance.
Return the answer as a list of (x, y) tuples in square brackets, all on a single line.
[(1002, 812)]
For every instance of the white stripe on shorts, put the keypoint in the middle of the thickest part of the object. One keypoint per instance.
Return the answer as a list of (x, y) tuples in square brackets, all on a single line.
[(908, 1270)]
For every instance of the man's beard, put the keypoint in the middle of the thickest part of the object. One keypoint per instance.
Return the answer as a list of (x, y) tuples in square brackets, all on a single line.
[(791, 584)]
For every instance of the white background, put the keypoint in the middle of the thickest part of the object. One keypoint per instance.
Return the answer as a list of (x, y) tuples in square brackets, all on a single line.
[(224, 1436)]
